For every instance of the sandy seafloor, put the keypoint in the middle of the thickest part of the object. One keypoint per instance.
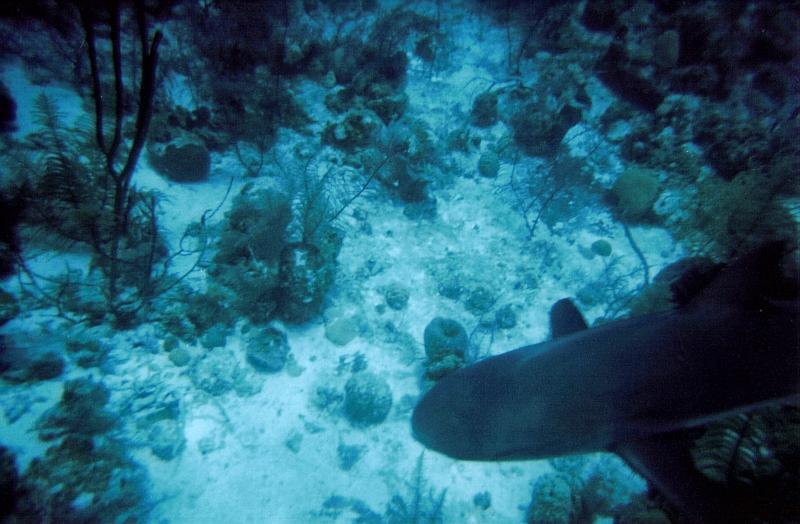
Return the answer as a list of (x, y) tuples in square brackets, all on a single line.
[(245, 472)]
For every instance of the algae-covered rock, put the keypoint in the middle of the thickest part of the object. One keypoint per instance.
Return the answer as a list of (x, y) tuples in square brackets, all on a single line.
[(267, 350), (9, 482), (396, 296), (484, 109), (349, 455), (180, 357), (80, 412), (666, 49), (86, 350), (303, 278), (353, 132), (538, 130), (488, 164), (46, 366), (216, 373), (479, 301), (505, 317), (341, 331), (215, 337), (23, 363), (166, 439), (84, 480), (9, 308), (186, 162)]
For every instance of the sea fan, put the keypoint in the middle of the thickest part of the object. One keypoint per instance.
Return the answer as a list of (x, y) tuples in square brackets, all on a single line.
[(735, 451)]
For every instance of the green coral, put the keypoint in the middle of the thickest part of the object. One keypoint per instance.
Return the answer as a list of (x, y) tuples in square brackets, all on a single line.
[(555, 500), (740, 214), (635, 192), (263, 269), (84, 481), (601, 247), (254, 227)]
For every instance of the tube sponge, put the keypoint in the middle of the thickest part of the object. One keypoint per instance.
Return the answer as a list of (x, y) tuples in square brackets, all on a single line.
[(446, 344), (443, 337)]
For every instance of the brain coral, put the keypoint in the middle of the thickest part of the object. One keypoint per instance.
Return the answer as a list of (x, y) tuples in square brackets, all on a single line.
[(367, 399)]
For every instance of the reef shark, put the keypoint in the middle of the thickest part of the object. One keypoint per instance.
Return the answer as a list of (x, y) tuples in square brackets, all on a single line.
[(631, 386)]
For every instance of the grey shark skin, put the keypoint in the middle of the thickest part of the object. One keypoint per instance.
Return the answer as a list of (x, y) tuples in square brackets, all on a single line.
[(626, 385)]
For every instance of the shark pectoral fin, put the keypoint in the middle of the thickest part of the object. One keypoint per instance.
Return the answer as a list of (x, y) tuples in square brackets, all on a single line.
[(665, 461), (565, 319), (750, 278)]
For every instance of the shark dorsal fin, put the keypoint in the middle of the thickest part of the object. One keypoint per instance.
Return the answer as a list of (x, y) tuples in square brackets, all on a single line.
[(565, 319)]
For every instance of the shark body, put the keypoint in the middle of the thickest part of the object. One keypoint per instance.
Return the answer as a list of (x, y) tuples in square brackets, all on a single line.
[(629, 386)]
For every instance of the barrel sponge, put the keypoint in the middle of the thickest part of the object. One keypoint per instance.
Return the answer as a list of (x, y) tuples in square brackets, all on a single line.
[(444, 337), (367, 399)]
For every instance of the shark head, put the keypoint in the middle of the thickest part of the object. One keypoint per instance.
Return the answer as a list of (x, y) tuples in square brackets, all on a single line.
[(461, 430), (633, 386)]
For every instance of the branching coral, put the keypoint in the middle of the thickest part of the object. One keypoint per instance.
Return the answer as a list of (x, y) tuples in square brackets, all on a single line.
[(81, 182), (423, 505)]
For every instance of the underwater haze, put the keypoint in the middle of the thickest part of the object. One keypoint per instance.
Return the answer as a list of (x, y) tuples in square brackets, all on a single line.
[(240, 240)]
